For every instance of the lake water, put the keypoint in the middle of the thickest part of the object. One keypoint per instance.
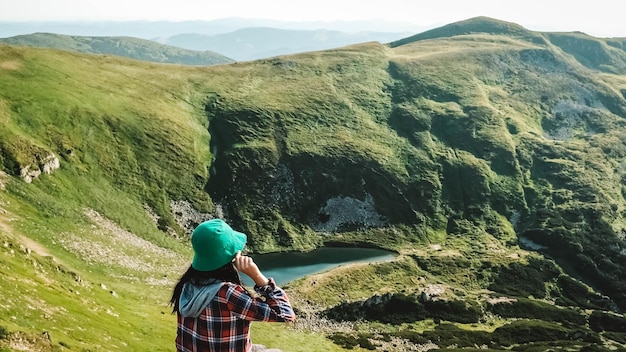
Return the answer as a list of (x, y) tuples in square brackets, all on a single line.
[(288, 266)]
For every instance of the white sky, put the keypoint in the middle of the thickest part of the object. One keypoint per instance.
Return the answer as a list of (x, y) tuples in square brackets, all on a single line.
[(600, 18)]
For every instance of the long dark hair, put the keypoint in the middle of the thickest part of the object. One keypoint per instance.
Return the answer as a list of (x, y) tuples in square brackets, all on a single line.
[(225, 273)]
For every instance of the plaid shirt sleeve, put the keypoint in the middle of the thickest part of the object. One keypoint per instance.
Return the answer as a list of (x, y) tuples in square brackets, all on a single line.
[(224, 324), (272, 306)]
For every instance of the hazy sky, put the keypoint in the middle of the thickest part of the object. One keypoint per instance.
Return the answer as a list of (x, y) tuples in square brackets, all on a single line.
[(601, 18)]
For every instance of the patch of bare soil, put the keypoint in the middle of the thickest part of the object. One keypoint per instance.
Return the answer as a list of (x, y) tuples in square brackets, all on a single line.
[(10, 65), (34, 246)]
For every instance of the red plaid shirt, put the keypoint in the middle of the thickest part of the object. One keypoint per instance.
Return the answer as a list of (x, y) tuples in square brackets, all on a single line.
[(224, 325)]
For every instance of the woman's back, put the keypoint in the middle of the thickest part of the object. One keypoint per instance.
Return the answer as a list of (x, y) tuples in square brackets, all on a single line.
[(225, 323), (214, 310)]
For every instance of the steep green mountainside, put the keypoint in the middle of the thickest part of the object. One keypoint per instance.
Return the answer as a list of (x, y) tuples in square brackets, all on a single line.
[(492, 162), (598, 54), (134, 48), (606, 55)]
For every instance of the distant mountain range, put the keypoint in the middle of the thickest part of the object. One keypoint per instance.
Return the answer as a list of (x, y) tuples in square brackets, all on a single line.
[(236, 39), (262, 42), (165, 29)]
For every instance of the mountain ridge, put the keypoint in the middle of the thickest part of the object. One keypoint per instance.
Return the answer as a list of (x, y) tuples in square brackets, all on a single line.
[(200, 49), (135, 48), (595, 53), (481, 24)]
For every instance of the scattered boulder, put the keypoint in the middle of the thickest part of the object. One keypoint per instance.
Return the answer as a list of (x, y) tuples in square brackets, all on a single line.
[(4, 179), (261, 348), (44, 165)]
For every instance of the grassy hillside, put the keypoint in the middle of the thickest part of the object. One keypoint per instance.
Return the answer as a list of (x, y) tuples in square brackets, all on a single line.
[(491, 161), (133, 48), (474, 25)]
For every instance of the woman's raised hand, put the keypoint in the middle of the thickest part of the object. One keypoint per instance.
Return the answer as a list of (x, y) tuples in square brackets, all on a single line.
[(247, 266)]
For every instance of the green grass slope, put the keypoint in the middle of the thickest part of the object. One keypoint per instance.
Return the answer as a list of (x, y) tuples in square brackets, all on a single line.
[(134, 48), (598, 54), (492, 163), (474, 25)]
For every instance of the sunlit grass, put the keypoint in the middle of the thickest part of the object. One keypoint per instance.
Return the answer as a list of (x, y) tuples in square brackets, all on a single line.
[(275, 335)]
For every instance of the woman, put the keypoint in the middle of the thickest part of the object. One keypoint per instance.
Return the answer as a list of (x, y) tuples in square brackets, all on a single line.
[(214, 310)]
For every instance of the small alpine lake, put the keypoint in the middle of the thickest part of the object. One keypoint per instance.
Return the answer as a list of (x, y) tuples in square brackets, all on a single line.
[(288, 266)]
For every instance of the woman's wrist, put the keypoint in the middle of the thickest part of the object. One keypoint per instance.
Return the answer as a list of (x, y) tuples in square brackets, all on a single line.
[(260, 279)]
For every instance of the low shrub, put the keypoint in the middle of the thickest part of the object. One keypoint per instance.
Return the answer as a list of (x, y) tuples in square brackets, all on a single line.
[(521, 336), (533, 309), (349, 341), (559, 346), (616, 336), (446, 335), (524, 280), (601, 321), (469, 350), (595, 348), (525, 331), (458, 311), (401, 308), (574, 293), (412, 336), (451, 335)]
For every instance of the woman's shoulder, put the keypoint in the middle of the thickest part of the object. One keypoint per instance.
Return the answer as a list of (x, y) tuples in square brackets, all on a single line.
[(232, 287), (231, 290)]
